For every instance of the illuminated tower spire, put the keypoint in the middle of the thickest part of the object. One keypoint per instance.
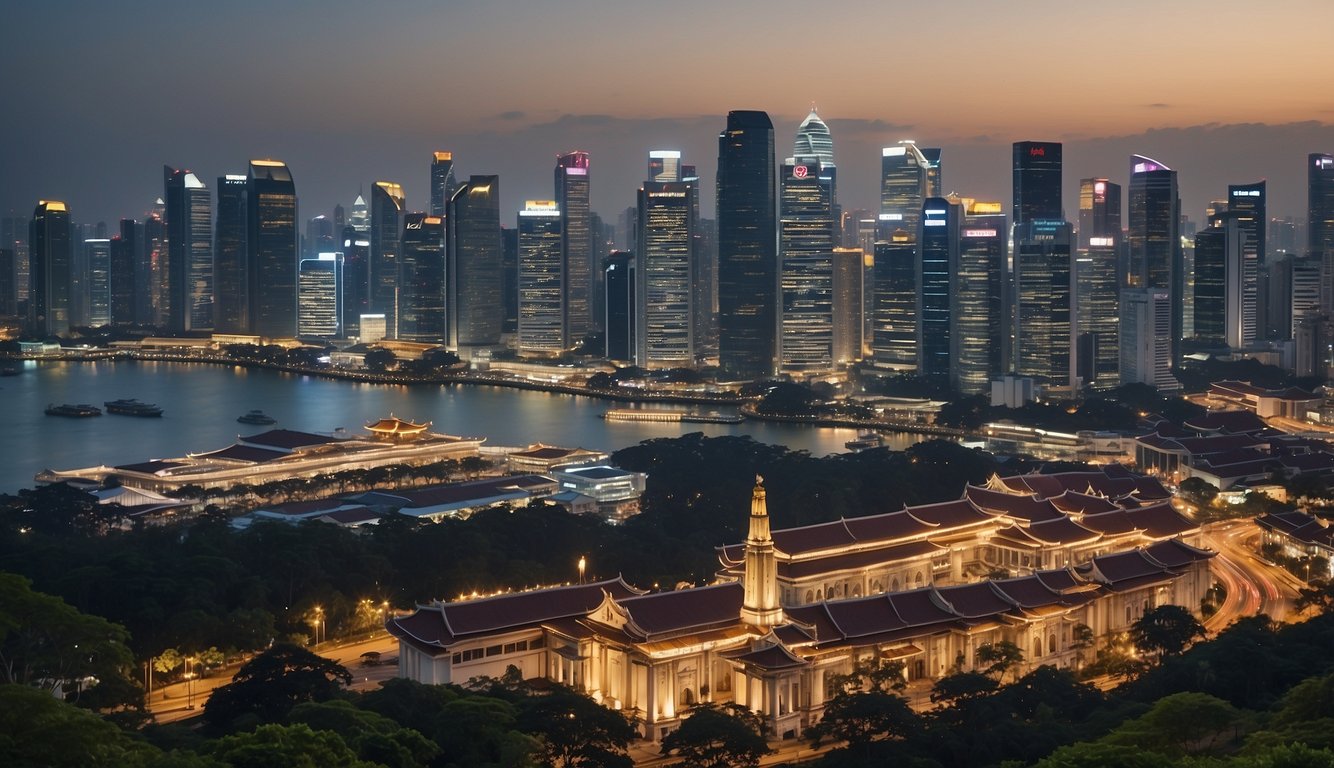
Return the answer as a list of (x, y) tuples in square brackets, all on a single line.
[(759, 606)]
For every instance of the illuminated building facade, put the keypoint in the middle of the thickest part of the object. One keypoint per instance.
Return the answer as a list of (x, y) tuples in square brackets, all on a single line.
[(271, 242), (189, 274), (122, 288), (979, 329), (1320, 222), (1226, 281), (387, 202), (1037, 181), (473, 268), (1153, 240), (894, 327), (542, 280), (1098, 282), (443, 183), (356, 250), (421, 293), (576, 247), (318, 295), (848, 295), (747, 246), (1146, 346), (806, 239), (1045, 320), (98, 255), (664, 165), (938, 258), (903, 185), (620, 320), (231, 289), (664, 338), (52, 254)]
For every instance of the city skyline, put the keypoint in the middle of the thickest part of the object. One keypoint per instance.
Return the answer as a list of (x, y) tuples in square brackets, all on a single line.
[(90, 145)]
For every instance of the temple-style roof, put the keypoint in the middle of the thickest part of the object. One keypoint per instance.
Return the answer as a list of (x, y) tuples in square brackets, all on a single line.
[(692, 609), (287, 440), (396, 427), (764, 655), (1023, 507), (246, 454)]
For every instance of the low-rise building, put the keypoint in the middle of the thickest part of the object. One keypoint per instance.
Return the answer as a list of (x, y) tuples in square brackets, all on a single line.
[(615, 491), (1298, 536)]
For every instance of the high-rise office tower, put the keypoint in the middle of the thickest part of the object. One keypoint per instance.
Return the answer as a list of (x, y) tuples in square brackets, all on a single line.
[(814, 140), (663, 333), (542, 280), (52, 254), (271, 248), (98, 254), (1302, 289), (664, 165), (1045, 302), (123, 267), (1098, 282), (979, 330), (934, 171), (1247, 203), (509, 280), (747, 246), (14, 235), (320, 237), (572, 191), (442, 182), (1226, 281), (806, 271), (848, 308), (938, 258), (318, 295), (473, 279), (619, 320), (360, 217), (894, 329), (189, 273), (1319, 203), (903, 185), (9, 300), (1037, 181), (604, 235), (705, 271), (386, 207), (1153, 241), (1146, 345), (421, 292), (356, 279), (231, 304), (153, 267)]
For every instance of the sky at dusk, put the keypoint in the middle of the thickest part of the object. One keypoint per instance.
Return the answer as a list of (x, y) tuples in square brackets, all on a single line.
[(100, 95)]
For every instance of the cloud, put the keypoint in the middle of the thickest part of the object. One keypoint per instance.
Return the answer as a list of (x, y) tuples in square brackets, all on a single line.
[(513, 114)]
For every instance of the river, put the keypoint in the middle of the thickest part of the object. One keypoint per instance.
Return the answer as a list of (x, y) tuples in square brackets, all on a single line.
[(201, 402)]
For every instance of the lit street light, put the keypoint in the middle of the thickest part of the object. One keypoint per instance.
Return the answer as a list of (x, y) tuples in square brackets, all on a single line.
[(582, 565)]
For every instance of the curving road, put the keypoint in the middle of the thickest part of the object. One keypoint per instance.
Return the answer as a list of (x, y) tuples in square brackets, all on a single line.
[(1253, 585)]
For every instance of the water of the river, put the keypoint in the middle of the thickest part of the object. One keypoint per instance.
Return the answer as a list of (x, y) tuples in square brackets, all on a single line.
[(201, 403)]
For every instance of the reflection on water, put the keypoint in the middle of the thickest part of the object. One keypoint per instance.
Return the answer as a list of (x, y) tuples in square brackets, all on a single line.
[(201, 403)]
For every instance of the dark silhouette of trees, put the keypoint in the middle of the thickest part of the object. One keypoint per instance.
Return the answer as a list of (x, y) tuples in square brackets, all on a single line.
[(268, 686), (1165, 631), (718, 736), (575, 731)]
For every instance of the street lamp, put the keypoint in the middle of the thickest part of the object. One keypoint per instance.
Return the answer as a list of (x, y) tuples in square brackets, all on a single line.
[(583, 563), (189, 684)]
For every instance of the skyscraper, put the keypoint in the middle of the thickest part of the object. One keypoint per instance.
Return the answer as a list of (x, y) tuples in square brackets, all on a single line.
[(318, 295), (747, 246), (664, 165), (894, 328), (542, 279), (386, 208), (442, 181), (1098, 281), (572, 193), (979, 330), (848, 307), (474, 311), (664, 338), (903, 185), (98, 252), (938, 258), (356, 279), (1037, 181), (1146, 344), (231, 305), (9, 301), (806, 271), (1153, 240), (271, 248), (619, 322), (1226, 281), (123, 268), (934, 171), (153, 267), (189, 273), (51, 251), (421, 293), (1319, 203), (1045, 311)]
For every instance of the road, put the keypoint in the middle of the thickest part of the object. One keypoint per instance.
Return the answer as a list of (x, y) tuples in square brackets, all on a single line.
[(1253, 586), (183, 700)]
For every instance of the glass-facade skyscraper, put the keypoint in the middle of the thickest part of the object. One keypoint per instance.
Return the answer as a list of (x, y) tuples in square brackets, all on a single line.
[(542, 279), (1320, 203), (747, 246), (1153, 241), (51, 249), (123, 268), (1097, 278), (903, 185), (98, 257), (1045, 321), (1037, 181), (318, 296), (189, 275), (664, 338), (386, 208), (231, 306), (619, 321), (894, 303), (938, 256), (572, 200), (421, 292), (473, 253), (979, 330), (806, 240), (271, 243), (443, 183)]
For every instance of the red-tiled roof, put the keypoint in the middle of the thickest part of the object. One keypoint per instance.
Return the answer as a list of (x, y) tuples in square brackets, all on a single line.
[(950, 514), (893, 525), (1160, 521), (866, 558), (288, 439), (812, 538), (243, 453), (1014, 505), (1061, 530), (663, 613), (1076, 503), (1227, 422), (973, 601), (149, 467), (770, 657)]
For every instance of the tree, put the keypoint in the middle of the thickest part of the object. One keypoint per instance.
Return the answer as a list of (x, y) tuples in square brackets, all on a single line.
[(577, 732), (962, 686), (718, 736), (37, 729), (1165, 631), (861, 718), (1182, 724), (285, 746), (1318, 597), (1000, 657), (380, 360), (1199, 491), (269, 685), (1081, 639), (373, 737)]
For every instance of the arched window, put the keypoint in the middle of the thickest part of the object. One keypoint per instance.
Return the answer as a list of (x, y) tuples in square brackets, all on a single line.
[(1037, 647), (1051, 643), (810, 596), (857, 590), (917, 580), (688, 696), (894, 584), (819, 595), (1127, 614), (876, 588)]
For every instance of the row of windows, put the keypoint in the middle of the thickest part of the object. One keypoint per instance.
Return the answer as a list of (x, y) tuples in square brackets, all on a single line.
[(474, 654)]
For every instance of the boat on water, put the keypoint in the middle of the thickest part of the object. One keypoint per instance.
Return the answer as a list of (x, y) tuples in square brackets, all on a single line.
[(73, 411), (866, 440), (672, 417), (132, 407), (256, 417)]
